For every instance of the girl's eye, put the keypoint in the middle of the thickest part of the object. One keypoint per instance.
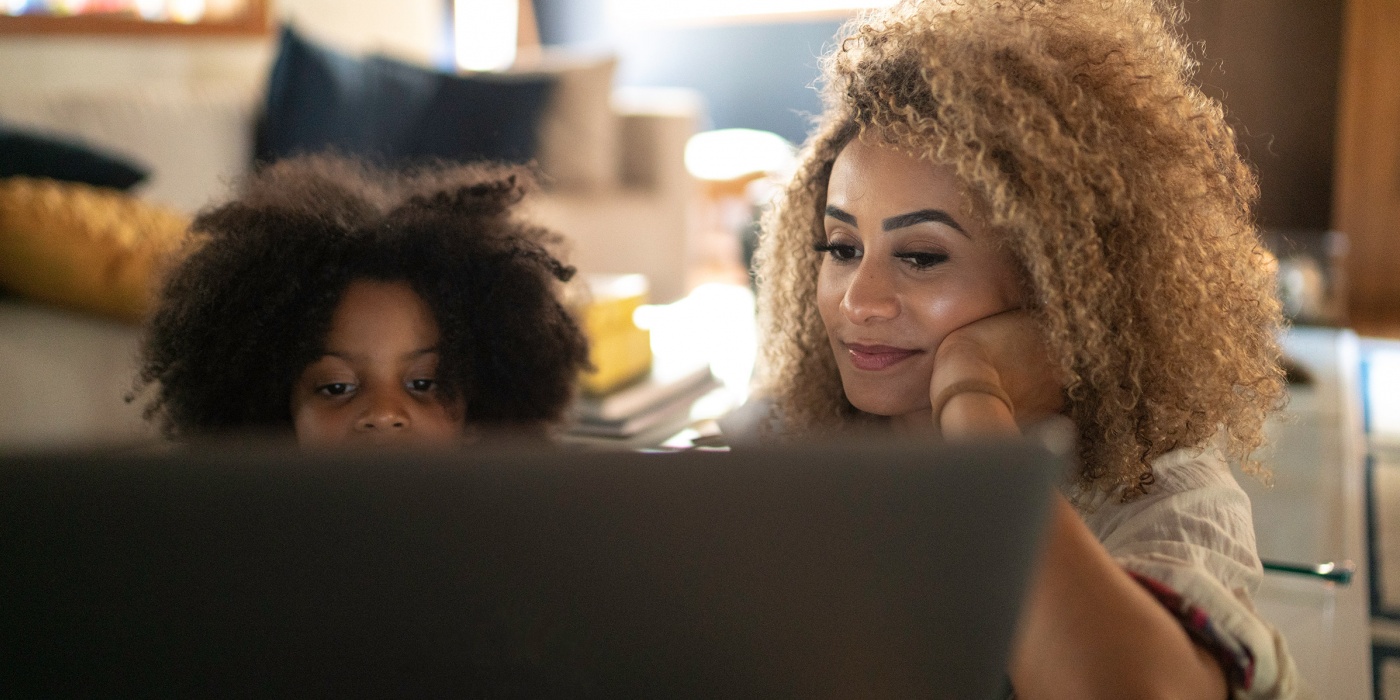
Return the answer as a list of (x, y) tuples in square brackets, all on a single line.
[(335, 389), (922, 261), (840, 252), (422, 385)]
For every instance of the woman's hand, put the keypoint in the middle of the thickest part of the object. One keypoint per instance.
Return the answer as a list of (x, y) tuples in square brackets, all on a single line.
[(994, 376)]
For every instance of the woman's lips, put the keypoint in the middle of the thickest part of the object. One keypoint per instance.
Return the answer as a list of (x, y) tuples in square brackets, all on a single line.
[(877, 357)]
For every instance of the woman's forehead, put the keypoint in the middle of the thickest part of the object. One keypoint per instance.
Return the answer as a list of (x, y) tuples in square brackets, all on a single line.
[(868, 172)]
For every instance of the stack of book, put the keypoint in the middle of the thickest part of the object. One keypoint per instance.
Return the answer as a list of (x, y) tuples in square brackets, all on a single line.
[(662, 398)]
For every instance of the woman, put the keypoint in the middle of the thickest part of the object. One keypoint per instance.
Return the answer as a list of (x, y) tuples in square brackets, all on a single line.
[(1012, 209)]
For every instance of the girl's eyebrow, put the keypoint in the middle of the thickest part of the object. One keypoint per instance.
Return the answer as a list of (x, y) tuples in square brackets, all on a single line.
[(411, 355), (902, 220)]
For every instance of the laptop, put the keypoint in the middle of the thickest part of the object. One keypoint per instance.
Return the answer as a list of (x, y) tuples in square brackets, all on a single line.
[(882, 569)]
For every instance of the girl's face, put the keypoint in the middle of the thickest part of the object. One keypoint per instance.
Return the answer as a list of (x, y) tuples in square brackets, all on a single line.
[(906, 264), (377, 381)]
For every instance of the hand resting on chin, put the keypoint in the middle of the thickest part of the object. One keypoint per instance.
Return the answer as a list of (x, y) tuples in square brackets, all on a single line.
[(994, 376)]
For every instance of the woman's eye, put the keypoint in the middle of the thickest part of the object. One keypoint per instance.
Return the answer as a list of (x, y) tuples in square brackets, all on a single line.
[(838, 251), (923, 260), (335, 389), (422, 385)]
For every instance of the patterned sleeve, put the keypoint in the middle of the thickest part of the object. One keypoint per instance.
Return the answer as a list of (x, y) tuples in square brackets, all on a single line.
[(1190, 542), (1235, 658)]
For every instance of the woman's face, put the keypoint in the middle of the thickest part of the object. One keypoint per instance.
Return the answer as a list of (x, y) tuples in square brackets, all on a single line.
[(906, 264), (377, 381)]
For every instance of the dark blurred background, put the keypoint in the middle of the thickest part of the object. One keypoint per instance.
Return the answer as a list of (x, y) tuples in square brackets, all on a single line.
[(1276, 65)]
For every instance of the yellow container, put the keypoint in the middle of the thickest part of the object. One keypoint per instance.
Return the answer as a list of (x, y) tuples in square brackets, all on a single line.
[(619, 351)]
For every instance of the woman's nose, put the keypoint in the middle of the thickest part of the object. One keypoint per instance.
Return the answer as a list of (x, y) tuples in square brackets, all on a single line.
[(384, 412), (870, 296)]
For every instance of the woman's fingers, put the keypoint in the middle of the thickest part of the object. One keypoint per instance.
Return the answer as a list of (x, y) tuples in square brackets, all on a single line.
[(1004, 351)]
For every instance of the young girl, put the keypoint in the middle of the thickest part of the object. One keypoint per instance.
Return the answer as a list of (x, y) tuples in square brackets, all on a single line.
[(1014, 208), (347, 304)]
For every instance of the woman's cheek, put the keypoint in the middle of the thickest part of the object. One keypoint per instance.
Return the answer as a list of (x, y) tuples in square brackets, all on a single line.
[(940, 313), (829, 294)]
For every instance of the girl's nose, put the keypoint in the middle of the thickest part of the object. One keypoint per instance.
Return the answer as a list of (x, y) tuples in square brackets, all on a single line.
[(870, 296), (384, 412)]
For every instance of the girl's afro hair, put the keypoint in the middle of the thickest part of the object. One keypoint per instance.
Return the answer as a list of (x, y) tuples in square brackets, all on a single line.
[(249, 306)]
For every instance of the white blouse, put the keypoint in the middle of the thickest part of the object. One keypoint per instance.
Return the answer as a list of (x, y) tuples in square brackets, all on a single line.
[(1193, 531)]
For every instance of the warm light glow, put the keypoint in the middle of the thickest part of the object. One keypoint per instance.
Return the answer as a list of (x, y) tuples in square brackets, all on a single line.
[(151, 9), (646, 12), (1383, 392), (187, 11), (223, 9), (183, 11), (726, 154), (714, 324), (70, 7), (485, 32)]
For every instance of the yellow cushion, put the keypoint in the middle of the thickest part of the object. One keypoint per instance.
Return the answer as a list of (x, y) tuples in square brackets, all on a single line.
[(86, 248)]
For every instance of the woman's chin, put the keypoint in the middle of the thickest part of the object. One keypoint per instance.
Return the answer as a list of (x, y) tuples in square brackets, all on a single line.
[(892, 393), (886, 404)]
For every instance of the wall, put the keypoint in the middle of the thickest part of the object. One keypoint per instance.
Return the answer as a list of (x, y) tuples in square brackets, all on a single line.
[(757, 75), (83, 63), (1275, 66), (411, 29)]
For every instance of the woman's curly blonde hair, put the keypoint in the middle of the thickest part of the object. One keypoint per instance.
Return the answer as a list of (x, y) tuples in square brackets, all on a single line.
[(1082, 142)]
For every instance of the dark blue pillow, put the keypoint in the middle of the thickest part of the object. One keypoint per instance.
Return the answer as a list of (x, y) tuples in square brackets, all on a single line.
[(391, 112), (32, 154)]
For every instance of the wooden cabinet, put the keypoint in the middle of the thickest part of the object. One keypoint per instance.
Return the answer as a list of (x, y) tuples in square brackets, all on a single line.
[(1366, 193)]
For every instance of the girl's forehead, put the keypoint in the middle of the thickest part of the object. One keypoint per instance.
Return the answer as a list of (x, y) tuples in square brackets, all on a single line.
[(372, 312)]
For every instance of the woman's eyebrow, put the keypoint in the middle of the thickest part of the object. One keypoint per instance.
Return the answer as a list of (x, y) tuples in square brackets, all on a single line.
[(919, 217), (840, 215)]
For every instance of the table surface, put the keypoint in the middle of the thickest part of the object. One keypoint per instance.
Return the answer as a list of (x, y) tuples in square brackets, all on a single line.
[(1315, 512)]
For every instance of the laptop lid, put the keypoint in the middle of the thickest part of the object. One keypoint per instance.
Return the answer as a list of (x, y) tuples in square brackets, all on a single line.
[(853, 570)]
